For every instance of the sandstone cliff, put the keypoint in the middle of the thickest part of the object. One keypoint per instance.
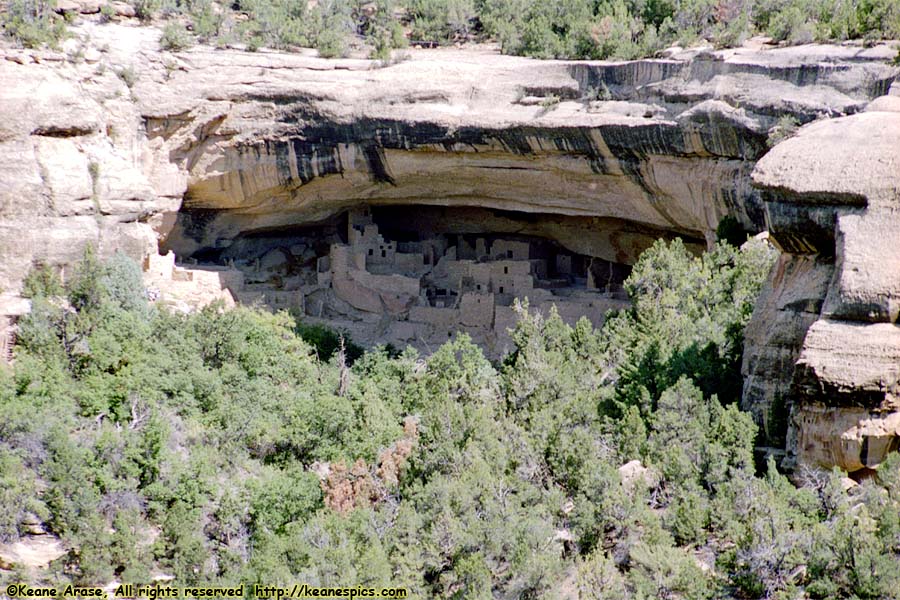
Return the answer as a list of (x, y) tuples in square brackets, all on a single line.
[(824, 347), (115, 142), (109, 140)]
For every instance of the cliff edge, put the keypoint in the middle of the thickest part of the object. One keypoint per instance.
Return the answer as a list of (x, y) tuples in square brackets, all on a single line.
[(115, 142)]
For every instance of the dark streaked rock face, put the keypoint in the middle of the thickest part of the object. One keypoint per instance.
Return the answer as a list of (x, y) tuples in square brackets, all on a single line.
[(197, 148), (667, 144), (134, 149)]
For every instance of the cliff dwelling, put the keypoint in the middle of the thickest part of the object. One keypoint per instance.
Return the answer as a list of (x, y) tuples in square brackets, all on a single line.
[(406, 203), (408, 275), (189, 197)]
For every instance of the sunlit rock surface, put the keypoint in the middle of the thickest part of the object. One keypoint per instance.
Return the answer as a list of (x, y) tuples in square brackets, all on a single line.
[(226, 157), (833, 371)]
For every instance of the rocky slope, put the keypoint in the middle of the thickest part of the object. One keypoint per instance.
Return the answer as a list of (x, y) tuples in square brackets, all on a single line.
[(115, 142)]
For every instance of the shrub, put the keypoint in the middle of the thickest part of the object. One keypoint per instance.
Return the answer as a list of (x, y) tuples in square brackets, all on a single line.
[(447, 475), (107, 12), (681, 323), (599, 93), (208, 23), (144, 9), (381, 28), (332, 43), (617, 29), (128, 77), (617, 34), (785, 128), (598, 577), (175, 38), (381, 52), (385, 35), (32, 23), (655, 12), (19, 497), (42, 280), (327, 342), (839, 20), (663, 572), (280, 23), (688, 515), (441, 20), (281, 497), (732, 32), (123, 283), (694, 19), (539, 40), (549, 103)]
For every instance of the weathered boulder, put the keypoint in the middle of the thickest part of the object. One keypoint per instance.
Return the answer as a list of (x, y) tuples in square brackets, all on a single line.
[(634, 472), (31, 552), (832, 194), (79, 6), (852, 438)]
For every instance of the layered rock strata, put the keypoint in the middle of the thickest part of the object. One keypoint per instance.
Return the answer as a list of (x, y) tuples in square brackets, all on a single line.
[(824, 345), (117, 142), (113, 142)]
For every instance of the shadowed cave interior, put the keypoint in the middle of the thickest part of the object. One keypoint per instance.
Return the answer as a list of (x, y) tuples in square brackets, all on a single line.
[(414, 275)]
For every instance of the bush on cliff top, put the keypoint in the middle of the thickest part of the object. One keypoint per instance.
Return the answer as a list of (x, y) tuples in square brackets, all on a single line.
[(175, 38), (571, 29)]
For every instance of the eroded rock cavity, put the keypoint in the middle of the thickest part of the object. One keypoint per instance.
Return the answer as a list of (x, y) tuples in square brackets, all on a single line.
[(250, 172), (414, 275)]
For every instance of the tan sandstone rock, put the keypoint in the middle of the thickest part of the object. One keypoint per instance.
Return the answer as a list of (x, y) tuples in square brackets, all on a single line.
[(836, 215), (140, 149), (32, 551), (849, 437)]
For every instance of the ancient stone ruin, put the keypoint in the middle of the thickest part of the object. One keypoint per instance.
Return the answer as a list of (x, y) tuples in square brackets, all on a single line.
[(405, 203), (379, 289)]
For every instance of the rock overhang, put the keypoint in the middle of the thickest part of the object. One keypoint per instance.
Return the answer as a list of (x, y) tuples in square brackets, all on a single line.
[(377, 145), (831, 195), (203, 148)]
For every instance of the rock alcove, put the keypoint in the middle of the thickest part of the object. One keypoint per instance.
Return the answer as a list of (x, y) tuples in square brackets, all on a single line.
[(414, 275), (250, 171)]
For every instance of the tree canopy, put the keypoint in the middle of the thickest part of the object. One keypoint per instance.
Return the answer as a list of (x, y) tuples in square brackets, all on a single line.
[(221, 448), (572, 29)]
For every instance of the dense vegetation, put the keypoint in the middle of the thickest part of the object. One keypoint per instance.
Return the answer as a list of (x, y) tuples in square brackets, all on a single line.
[(539, 28), (219, 447), (31, 23)]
